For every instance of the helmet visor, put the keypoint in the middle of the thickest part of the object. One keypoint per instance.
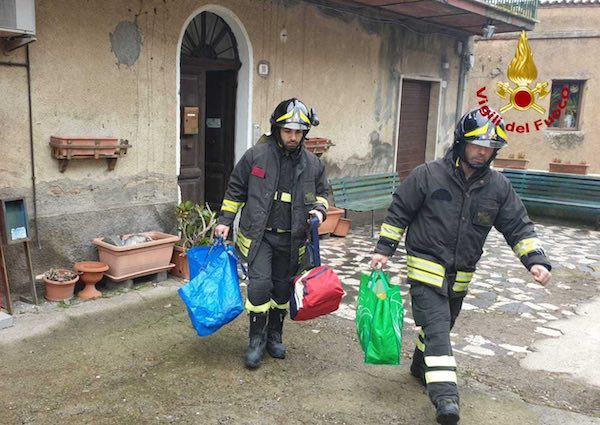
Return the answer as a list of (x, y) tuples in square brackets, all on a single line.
[(292, 125), (488, 143)]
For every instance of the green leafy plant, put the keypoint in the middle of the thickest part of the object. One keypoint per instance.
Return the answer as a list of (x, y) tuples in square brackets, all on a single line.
[(196, 224)]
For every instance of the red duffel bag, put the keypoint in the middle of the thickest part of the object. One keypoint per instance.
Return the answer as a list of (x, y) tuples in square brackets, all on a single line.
[(317, 291)]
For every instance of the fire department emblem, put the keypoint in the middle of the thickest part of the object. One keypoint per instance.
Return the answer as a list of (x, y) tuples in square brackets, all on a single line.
[(522, 71)]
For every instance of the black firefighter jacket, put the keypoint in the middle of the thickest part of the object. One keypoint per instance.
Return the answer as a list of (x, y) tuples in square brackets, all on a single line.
[(253, 186), (447, 221)]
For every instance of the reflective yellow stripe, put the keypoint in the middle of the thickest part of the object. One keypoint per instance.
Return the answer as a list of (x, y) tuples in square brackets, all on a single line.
[(263, 308), (304, 118), (323, 201), (421, 333), (301, 253), (526, 246), (464, 277), (243, 240), (425, 271), (392, 232), (440, 361), (243, 250), (478, 131), (231, 206), (426, 265), (425, 277), (462, 281), (501, 132), (420, 345), (243, 243), (285, 116), (440, 376), (273, 304), (282, 196), (460, 287)]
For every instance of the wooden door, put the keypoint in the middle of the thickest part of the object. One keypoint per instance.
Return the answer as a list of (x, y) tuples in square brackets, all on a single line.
[(412, 134), (219, 133), (191, 174)]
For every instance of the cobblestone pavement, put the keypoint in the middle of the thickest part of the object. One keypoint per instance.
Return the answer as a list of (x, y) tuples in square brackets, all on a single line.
[(501, 283)]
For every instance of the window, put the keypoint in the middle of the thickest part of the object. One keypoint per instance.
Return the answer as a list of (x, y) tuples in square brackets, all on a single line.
[(566, 97)]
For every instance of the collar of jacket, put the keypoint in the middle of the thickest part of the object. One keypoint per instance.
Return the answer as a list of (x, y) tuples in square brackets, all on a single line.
[(478, 178), (297, 155)]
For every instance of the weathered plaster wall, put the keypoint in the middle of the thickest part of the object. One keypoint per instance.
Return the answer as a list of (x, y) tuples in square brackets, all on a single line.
[(562, 45), (110, 68)]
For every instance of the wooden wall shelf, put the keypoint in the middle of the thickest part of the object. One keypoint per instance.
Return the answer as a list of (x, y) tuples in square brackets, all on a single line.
[(66, 148)]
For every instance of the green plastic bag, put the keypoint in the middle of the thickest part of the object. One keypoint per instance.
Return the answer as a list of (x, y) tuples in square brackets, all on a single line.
[(379, 318)]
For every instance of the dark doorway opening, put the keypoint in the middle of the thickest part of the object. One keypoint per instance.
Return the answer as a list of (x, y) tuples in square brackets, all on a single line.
[(412, 132), (209, 69)]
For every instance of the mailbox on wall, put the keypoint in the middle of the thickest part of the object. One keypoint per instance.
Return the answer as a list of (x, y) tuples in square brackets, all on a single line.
[(191, 115), (14, 221)]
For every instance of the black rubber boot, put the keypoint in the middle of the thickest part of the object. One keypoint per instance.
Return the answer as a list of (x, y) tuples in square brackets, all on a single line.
[(417, 367), (257, 340), (275, 347), (447, 412)]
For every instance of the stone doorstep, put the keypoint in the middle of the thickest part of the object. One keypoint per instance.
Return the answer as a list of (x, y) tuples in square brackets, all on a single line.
[(6, 320)]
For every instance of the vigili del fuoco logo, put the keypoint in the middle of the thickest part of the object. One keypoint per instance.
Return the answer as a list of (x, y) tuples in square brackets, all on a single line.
[(521, 94)]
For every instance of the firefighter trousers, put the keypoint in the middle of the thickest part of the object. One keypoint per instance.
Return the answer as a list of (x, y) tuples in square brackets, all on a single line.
[(435, 312), (270, 274)]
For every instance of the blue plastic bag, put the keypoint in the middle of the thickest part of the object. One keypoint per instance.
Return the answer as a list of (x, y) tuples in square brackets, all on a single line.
[(213, 296), (196, 257)]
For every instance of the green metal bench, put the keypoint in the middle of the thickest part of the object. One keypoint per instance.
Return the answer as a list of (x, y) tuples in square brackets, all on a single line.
[(557, 194), (365, 193)]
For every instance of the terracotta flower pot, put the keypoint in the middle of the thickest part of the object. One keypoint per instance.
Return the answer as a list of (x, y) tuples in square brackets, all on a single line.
[(91, 273), (343, 227), (333, 216), (562, 167), (317, 145), (60, 291), (179, 258), (514, 163), (128, 262)]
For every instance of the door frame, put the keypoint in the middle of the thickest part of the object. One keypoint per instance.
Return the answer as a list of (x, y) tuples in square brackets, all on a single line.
[(433, 121), (243, 101)]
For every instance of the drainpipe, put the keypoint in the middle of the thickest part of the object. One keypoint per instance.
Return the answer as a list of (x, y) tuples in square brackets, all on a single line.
[(465, 66), (26, 65)]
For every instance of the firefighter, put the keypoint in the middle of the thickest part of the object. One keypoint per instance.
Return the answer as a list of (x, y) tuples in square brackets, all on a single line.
[(280, 185), (447, 208)]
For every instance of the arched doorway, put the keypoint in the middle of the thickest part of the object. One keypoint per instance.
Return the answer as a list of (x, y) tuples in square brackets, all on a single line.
[(209, 64)]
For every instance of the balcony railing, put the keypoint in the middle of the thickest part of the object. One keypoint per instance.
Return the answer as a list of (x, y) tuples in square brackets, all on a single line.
[(527, 8)]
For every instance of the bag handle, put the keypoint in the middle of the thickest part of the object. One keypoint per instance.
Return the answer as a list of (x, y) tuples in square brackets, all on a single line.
[(314, 239), (219, 241), (377, 274)]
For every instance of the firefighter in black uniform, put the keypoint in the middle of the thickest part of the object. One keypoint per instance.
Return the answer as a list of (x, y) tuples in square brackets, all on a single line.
[(447, 208), (277, 185)]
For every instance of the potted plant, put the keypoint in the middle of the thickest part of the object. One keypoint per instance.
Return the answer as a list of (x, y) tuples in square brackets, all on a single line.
[(196, 225), (134, 255), (317, 145), (59, 284), (519, 163), (558, 166)]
